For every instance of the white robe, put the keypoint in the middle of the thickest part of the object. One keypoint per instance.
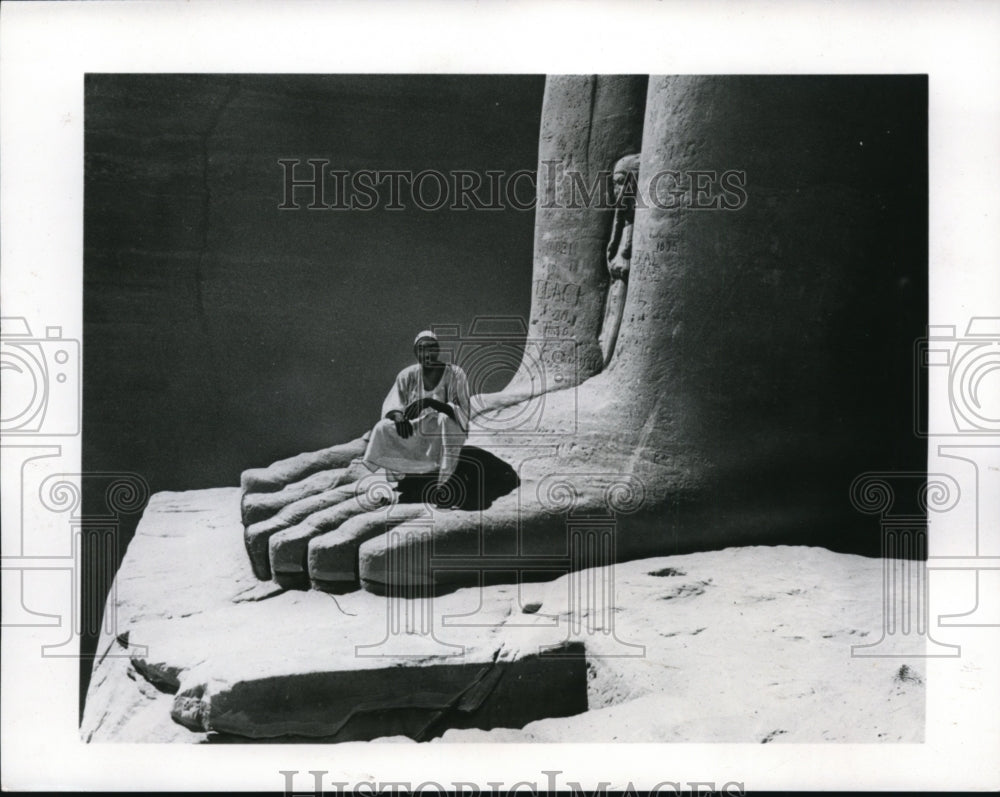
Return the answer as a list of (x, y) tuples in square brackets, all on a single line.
[(436, 440)]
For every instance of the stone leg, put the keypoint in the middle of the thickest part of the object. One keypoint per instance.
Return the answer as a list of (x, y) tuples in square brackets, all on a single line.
[(736, 402), (588, 123)]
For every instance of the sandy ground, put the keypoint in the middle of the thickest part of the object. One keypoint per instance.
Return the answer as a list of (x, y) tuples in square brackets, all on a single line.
[(749, 644)]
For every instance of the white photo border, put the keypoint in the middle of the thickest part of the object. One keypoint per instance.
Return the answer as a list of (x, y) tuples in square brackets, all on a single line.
[(46, 48)]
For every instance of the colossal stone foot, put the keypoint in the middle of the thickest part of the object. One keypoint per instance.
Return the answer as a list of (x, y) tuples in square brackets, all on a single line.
[(556, 522), (260, 506), (257, 536), (325, 545), (277, 545), (294, 469), (256, 507), (332, 558), (288, 549)]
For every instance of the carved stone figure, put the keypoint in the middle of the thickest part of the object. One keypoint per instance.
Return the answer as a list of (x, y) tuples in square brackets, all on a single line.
[(619, 252)]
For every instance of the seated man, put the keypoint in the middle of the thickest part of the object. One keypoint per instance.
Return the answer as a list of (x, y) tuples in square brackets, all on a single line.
[(425, 417)]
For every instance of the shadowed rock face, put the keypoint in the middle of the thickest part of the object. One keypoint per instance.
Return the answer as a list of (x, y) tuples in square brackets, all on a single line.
[(418, 699), (763, 358), (479, 479)]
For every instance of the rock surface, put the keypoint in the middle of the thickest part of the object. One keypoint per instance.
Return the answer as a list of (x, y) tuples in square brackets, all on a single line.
[(588, 123), (738, 645)]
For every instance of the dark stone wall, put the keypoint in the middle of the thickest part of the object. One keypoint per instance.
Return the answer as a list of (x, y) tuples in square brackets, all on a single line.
[(222, 332)]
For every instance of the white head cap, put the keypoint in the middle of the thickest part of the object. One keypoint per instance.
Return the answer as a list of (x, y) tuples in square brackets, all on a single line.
[(423, 335)]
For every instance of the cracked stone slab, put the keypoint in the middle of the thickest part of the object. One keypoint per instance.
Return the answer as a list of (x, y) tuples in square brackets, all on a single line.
[(305, 664)]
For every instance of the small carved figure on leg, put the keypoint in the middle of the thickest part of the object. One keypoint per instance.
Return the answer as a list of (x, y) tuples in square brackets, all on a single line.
[(619, 251)]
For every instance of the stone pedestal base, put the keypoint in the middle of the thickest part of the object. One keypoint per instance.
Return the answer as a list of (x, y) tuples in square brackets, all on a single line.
[(738, 645)]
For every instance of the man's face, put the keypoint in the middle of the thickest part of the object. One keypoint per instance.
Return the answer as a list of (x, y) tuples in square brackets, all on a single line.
[(427, 351)]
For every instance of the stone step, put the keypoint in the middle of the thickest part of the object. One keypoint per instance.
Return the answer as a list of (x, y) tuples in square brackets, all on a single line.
[(305, 666)]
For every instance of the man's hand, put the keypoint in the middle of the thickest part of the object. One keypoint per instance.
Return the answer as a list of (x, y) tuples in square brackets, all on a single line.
[(414, 408), (440, 406), (403, 427)]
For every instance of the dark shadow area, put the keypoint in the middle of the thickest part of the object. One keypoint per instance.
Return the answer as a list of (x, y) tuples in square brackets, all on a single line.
[(420, 702), (479, 479), (484, 572)]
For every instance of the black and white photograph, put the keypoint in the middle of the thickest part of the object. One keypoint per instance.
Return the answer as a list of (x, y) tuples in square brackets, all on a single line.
[(574, 371), (492, 408)]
